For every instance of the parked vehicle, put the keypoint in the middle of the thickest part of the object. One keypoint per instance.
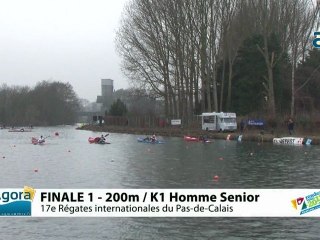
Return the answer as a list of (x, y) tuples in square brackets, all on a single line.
[(219, 121)]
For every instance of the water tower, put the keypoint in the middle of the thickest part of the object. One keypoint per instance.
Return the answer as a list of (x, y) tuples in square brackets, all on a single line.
[(106, 98)]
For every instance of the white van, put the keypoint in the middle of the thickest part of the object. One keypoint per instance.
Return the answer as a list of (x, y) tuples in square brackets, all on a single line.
[(219, 121)]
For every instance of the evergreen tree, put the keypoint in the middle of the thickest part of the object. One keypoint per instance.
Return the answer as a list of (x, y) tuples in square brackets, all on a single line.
[(248, 90), (250, 86), (118, 108)]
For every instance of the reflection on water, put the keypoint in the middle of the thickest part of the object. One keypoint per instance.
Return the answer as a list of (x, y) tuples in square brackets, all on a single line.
[(69, 161)]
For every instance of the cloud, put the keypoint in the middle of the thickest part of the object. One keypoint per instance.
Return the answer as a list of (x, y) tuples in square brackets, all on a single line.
[(70, 41)]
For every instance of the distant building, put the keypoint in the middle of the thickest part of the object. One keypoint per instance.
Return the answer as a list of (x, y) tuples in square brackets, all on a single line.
[(138, 102), (106, 97), (88, 110)]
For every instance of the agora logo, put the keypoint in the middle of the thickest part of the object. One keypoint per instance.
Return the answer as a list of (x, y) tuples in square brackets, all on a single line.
[(16, 203), (316, 40)]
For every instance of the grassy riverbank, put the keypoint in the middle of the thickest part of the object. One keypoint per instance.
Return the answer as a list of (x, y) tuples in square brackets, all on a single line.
[(247, 135)]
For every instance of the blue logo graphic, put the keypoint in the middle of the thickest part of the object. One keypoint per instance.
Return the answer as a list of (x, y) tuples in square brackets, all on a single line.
[(316, 40), (16, 203)]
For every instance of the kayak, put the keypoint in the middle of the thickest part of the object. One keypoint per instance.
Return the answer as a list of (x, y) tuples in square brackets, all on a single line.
[(191, 139), (20, 130), (195, 139), (35, 141), (96, 140), (143, 140)]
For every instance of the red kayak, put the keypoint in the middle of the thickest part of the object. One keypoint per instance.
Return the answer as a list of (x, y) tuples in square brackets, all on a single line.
[(191, 139), (35, 141), (195, 139), (96, 140)]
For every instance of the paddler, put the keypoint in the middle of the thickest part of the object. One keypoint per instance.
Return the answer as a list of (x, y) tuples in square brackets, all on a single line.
[(102, 139), (41, 139), (153, 138)]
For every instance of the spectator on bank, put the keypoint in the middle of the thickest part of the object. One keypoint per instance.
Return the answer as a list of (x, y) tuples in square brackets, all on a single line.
[(242, 125), (290, 126)]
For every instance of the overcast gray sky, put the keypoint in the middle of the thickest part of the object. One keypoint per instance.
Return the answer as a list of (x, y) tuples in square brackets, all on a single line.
[(65, 40)]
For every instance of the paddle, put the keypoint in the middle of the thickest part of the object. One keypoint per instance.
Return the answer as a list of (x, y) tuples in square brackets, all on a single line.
[(43, 138), (46, 137)]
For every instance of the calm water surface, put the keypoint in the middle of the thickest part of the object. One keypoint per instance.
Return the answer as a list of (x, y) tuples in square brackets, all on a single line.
[(69, 161)]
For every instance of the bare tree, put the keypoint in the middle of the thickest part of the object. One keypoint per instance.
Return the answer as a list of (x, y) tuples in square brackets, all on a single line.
[(304, 18), (237, 27), (173, 48)]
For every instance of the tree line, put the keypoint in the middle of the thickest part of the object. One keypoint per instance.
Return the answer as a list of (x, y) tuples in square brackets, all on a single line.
[(48, 103), (221, 55)]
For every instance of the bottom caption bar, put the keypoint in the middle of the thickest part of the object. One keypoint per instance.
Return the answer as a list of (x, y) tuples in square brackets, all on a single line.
[(30, 202)]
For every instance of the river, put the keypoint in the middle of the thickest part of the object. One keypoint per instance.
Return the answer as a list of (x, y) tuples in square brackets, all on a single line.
[(69, 161)]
